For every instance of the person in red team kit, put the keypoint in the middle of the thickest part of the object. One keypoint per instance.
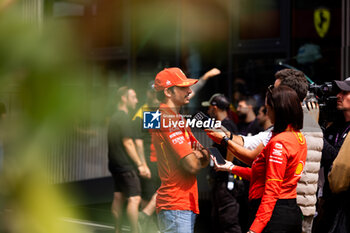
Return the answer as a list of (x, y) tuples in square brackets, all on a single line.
[(179, 155), (276, 170)]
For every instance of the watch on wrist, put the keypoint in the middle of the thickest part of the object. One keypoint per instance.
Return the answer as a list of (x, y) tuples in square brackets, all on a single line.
[(224, 141)]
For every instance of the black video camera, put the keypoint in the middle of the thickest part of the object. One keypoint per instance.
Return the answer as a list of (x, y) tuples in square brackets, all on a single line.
[(325, 95)]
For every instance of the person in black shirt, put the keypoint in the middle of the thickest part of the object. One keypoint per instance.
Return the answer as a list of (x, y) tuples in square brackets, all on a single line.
[(225, 208), (144, 146), (248, 125), (123, 161), (329, 219)]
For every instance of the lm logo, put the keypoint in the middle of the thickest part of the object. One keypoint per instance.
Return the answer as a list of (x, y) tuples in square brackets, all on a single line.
[(151, 120)]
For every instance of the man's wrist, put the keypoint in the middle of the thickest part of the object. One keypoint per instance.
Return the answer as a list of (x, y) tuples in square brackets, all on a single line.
[(204, 152), (224, 141)]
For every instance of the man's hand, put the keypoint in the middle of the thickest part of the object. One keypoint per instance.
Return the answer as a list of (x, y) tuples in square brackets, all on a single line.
[(196, 146), (211, 73), (201, 153), (314, 110), (226, 131), (203, 157), (144, 171), (216, 135)]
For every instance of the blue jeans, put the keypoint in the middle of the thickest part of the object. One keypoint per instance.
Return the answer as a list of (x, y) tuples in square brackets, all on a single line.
[(176, 221)]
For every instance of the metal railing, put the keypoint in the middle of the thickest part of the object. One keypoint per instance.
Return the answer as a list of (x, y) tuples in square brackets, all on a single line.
[(82, 155)]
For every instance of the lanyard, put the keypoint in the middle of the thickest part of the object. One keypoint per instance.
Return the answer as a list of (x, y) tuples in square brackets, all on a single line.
[(345, 131)]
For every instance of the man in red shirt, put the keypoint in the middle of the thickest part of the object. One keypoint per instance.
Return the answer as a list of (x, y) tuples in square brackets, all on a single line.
[(179, 155)]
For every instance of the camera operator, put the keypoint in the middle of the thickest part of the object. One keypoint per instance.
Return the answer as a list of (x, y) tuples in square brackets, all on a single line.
[(334, 137)]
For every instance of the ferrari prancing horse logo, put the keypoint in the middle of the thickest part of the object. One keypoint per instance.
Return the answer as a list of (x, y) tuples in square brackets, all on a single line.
[(322, 19)]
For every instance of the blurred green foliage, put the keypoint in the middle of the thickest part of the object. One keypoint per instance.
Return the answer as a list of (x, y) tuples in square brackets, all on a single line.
[(46, 79), (42, 77)]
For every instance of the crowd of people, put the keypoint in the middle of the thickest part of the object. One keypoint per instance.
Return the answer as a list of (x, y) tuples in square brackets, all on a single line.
[(281, 170)]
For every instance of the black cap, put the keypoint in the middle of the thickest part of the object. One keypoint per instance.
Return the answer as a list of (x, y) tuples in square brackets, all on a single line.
[(218, 100), (343, 85)]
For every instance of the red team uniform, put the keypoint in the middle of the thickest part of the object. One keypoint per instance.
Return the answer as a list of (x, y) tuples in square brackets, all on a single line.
[(178, 190), (274, 174)]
